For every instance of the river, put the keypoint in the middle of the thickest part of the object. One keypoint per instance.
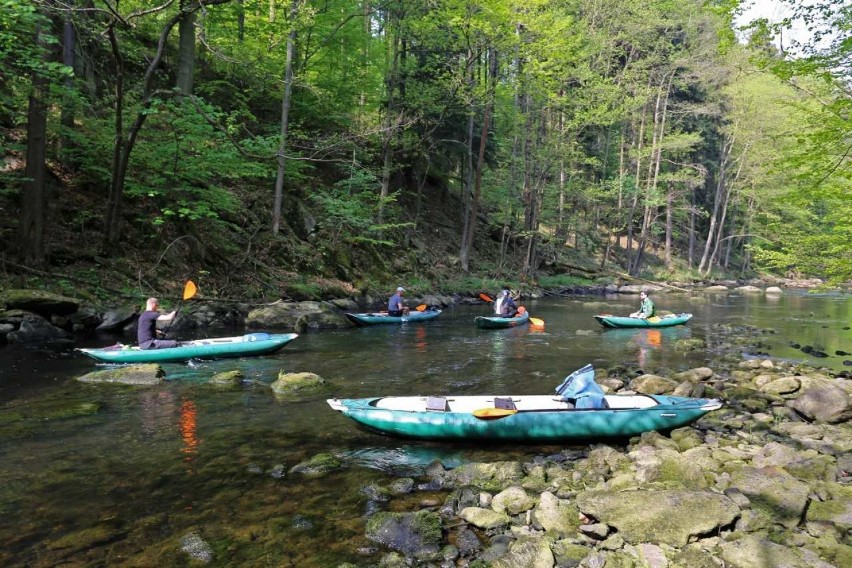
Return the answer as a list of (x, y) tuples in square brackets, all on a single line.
[(105, 475)]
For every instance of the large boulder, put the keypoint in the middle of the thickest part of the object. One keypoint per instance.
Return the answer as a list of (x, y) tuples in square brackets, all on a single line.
[(829, 404), (556, 516), (667, 517), (117, 319), (753, 551), (40, 302), (143, 374), (36, 329), (774, 492), (297, 316)]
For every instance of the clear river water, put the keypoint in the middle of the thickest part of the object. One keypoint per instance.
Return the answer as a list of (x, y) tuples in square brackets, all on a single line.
[(94, 475)]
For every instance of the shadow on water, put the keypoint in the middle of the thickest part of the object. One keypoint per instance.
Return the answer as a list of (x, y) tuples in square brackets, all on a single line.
[(114, 475)]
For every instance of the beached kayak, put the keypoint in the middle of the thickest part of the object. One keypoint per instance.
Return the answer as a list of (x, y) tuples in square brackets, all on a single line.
[(579, 411)]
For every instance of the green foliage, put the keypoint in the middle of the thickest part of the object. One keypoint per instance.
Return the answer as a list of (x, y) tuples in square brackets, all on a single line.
[(348, 208)]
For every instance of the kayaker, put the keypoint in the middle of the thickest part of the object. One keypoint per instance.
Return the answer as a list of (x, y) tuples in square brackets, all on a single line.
[(147, 331), (646, 310), (395, 306), (508, 308)]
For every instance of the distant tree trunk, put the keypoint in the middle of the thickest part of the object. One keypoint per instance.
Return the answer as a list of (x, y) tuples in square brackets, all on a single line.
[(186, 50), (390, 109), (692, 209), (241, 21), (31, 224), (467, 191), (721, 182), (490, 78), (67, 113), (285, 120)]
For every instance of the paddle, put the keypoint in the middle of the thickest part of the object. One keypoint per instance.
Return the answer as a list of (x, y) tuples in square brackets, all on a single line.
[(421, 308), (486, 298), (189, 290), (537, 322), (493, 413), (653, 319)]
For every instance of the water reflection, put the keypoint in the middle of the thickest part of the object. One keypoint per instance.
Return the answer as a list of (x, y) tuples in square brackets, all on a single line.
[(188, 424), (645, 342)]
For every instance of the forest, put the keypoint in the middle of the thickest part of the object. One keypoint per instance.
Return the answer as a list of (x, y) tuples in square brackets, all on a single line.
[(312, 148)]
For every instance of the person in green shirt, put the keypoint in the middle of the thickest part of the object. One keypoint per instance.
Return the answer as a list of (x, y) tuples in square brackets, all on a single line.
[(646, 310)]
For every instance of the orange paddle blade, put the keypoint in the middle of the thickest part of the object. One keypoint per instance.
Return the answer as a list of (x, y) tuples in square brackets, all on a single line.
[(189, 290), (493, 413), (421, 308), (486, 298)]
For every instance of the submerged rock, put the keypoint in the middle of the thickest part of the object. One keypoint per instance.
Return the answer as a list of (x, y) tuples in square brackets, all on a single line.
[(293, 383), (144, 374), (413, 534)]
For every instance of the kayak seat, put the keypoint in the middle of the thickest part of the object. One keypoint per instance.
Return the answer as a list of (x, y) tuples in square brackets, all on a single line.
[(504, 402), (437, 403)]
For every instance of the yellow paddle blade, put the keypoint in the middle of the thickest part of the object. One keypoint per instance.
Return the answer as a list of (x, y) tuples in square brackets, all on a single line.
[(653, 319), (493, 413), (189, 290), (537, 322)]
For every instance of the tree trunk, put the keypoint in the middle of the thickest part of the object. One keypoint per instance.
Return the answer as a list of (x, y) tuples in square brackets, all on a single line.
[(388, 122), (31, 227), (490, 78), (186, 51), (285, 120), (67, 114)]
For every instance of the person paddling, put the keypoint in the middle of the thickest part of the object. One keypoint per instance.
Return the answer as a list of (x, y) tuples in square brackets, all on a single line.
[(147, 331), (395, 306), (646, 310)]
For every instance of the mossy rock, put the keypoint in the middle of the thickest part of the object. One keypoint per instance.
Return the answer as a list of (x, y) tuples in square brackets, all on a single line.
[(318, 466), (139, 375), (40, 302), (409, 533), (227, 379), (297, 383)]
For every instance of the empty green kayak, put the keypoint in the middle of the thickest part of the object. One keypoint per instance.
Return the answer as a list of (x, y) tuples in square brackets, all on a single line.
[(574, 415), (663, 321), (213, 348)]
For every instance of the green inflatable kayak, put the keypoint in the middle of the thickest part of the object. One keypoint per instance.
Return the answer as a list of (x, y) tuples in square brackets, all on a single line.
[(626, 322), (378, 318), (213, 348), (580, 411), (499, 322)]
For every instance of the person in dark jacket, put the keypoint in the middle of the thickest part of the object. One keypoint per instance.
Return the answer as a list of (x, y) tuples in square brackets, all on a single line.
[(147, 332), (508, 308)]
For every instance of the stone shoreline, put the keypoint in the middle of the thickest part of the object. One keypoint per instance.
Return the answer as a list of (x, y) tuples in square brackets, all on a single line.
[(33, 316)]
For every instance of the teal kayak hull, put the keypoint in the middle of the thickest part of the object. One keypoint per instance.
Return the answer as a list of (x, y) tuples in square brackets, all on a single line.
[(627, 322), (377, 318), (214, 348), (661, 413), (484, 322)]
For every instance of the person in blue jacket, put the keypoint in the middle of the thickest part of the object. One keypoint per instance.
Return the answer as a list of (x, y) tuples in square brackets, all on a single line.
[(395, 306)]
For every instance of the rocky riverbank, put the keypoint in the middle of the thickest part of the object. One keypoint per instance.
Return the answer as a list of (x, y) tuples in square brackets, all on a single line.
[(763, 482), (34, 316)]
